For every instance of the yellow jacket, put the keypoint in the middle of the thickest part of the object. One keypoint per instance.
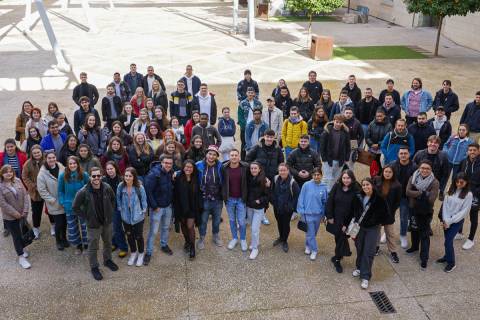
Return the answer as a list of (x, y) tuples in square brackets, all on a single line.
[(291, 133)]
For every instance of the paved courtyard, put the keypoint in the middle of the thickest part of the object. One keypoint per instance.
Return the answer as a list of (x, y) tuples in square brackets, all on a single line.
[(219, 284)]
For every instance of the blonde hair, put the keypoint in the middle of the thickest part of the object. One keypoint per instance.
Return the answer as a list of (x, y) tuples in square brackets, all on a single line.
[(138, 148)]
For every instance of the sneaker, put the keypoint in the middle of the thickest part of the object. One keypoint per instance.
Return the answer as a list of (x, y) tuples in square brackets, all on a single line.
[(244, 245), (423, 265), (232, 244), (6, 233), (364, 284), (277, 242), (201, 244), (253, 254), (468, 245), (356, 273), (403, 242), (36, 233), (337, 265), (285, 247), (52, 230), (313, 256), (66, 244), (167, 250), (146, 259), (122, 254), (111, 265), (97, 275), (250, 247), (192, 252), (411, 250), (216, 239), (459, 236), (394, 257), (60, 246), (441, 260), (132, 259), (383, 238), (25, 253), (449, 268), (24, 262), (140, 259), (307, 251), (377, 251), (265, 221)]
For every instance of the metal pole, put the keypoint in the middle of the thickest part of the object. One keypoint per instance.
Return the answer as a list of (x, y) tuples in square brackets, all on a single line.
[(251, 20), (235, 16), (61, 63), (90, 19)]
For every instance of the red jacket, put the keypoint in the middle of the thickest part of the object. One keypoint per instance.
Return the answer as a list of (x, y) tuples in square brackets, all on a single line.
[(187, 130), (136, 106), (22, 158)]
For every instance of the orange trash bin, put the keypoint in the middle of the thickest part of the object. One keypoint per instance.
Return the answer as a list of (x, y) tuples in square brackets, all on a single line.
[(321, 47)]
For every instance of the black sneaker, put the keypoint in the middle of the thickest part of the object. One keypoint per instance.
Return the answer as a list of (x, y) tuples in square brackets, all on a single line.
[(60, 246), (449, 268), (192, 252), (285, 246), (394, 257), (441, 260), (97, 275), (337, 265), (167, 250), (377, 251), (411, 250), (146, 259), (85, 247), (423, 265), (66, 244), (111, 265), (277, 242)]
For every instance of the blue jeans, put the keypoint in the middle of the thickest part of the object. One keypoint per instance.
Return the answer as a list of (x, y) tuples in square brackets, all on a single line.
[(214, 208), (314, 145), (404, 216), (162, 219), (455, 170), (237, 214), (288, 150), (118, 239), (450, 234), (255, 217), (313, 223)]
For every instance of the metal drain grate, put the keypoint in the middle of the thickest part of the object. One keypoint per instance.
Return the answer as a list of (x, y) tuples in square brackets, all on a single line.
[(382, 302)]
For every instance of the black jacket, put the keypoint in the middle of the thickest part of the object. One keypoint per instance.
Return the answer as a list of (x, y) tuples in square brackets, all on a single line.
[(449, 101), (355, 130), (395, 95), (268, 156), (377, 214), (145, 83), (445, 131), (92, 94), (342, 205), (365, 111), (141, 162), (284, 194), (355, 94), (284, 104), (305, 108), (107, 112), (84, 205), (316, 132), (160, 99), (213, 107), (226, 180), (393, 113), (314, 90), (210, 135), (186, 202), (472, 170), (303, 159), (403, 173), (326, 144), (393, 198), (376, 132), (441, 165), (79, 118), (195, 154), (421, 134), (255, 191), (471, 116)]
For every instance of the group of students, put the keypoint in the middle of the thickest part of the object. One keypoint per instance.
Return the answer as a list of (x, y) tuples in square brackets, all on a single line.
[(296, 155)]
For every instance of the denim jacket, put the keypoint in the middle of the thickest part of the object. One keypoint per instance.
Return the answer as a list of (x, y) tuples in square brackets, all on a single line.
[(456, 149), (132, 212), (425, 101)]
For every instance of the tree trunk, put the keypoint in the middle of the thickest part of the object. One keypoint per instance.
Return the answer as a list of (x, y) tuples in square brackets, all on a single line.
[(439, 30), (348, 7), (310, 17)]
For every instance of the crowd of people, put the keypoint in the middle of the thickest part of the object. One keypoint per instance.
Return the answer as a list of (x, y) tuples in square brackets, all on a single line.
[(170, 159)]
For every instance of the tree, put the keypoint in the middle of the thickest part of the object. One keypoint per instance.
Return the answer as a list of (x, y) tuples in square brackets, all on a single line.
[(313, 7), (442, 9)]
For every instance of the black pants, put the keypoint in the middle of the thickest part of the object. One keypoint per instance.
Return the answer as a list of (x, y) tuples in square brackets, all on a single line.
[(134, 235), (37, 209), (421, 236), (473, 223), (60, 221), (15, 230), (242, 147), (188, 229), (283, 223)]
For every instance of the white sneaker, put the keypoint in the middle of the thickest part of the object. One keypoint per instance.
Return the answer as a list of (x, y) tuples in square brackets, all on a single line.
[(132, 258), (403, 242), (244, 245), (364, 284), (52, 230), (294, 216), (265, 221), (383, 238), (459, 236), (25, 253), (253, 254), (140, 259), (313, 256), (356, 273), (24, 262), (36, 232), (232, 244), (307, 251), (468, 245), (250, 247)]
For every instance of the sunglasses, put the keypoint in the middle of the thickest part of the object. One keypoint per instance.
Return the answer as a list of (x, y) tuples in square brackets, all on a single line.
[(96, 176)]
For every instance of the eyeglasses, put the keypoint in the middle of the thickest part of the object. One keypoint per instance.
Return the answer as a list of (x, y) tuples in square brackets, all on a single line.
[(95, 176)]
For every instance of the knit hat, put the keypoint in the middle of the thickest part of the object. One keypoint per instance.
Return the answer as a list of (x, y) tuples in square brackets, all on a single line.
[(213, 148)]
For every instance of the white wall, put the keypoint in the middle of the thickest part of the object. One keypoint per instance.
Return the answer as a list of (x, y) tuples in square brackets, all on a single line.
[(463, 30)]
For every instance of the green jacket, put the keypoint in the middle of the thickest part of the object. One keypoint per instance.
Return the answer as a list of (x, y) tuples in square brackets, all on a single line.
[(84, 205)]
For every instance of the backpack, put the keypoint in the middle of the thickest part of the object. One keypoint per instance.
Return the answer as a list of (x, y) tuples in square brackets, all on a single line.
[(291, 183), (137, 191)]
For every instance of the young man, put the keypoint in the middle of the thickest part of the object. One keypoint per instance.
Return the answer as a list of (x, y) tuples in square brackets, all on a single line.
[(181, 104), (284, 102), (80, 114), (54, 140), (111, 106), (446, 98), (302, 161), (339, 106), (267, 153), (313, 86), (209, 134), (122, 90), (416, 100), (353, 91), (210, 179), (159, 189), (85, 89), (392, 110), (394, 93), (394, 140), (192, 82), (255, 130), (376, 131), (441, 125), (234, 191), (245, 84), (204, 101), (421, 131), (335, 149), (366, 108), (245, 115), (133, 79), (355, 131), (95, 203), (404, 169), (471, 116), (273, 117), (148, 79), (293, 128)]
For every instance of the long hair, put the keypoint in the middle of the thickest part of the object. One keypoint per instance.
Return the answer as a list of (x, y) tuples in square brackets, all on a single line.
[(349, 173), (260, 178), (39, 136), (369, 180), (4, 169), (193, 178), (138, 148), (316, 121), (34, 147), (192, 141), (322, 100), (387, 184), (112, 140), (453, 185), (133, 172), (307, 97), (159, 133), (165, 123), (171, 132), (115, 166), (68, 173), (96, 127), (52, 104)]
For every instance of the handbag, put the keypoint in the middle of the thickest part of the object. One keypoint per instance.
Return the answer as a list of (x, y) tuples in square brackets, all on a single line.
[(27, 233), (365, 157), (302, 224), (354, 227), (332, 228), (17, 136)]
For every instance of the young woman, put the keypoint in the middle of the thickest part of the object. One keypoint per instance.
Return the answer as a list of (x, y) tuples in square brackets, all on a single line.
[(169, 135), (284, 198), (14, 204), (21, 121), (13, 156), (304, 104), (391, 190), (141, 124), (92, 135), (161, 118), (138, 101), (281, 83), (342, 203), (62, 122), (150, 108), (326, 101), (116, 153), (113, 178), (187, 204), (87, 159), (178, 130), (69, 148), (190, 124), (47, 186), (257, 201), (422, 190), (456, 148), (140, 155), (37, 122), (51, 110), (197, 149), (154, 135), (311, 205), (117, 131), (316, 125), (373, 214), (132, 203), (33, 138), (69, 183), (127, 117), (158, 96), (227, 130), (172, 151)]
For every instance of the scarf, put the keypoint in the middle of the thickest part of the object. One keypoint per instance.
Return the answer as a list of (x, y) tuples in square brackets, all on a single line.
[(294, 120), (420, 182), (400, 134), (438, 123)]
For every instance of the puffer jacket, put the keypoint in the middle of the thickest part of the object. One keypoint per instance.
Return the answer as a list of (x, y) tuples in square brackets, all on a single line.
[(291, 132), (326, 145), (456, 149), (47, 186), (376, 132), (68, 189), (29, 177), (133, 208), (268, 156), (302, 159)]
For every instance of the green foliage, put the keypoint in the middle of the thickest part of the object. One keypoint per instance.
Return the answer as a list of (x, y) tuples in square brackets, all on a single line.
[(313, 7), (376, 53), (443, 8)]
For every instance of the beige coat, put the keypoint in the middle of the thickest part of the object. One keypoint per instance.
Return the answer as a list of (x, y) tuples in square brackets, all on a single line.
[(47, 186), (12, 203)]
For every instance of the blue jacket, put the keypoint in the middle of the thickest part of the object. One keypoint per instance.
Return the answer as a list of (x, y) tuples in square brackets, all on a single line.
[(249, 133), (456, 149), (391, 144), (47, 142), (425, 101), (471, 116), (313, 198), (159, 187), (226, 128), (67, 190), (129, 80), (336, 108), (201, 169), (195, 84), (135, 211)]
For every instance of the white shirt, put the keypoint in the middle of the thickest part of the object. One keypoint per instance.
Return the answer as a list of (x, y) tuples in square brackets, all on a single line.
[(189, 85), (150, 82), (205, 104)]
